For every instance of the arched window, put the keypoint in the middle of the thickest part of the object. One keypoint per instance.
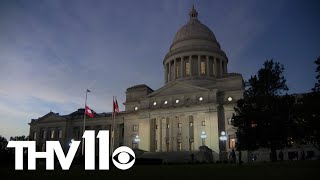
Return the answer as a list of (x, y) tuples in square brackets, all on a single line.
[(202, 68), (187, 69)]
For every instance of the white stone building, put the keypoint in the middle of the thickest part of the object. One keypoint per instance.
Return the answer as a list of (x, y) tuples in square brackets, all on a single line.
[(192, 109)]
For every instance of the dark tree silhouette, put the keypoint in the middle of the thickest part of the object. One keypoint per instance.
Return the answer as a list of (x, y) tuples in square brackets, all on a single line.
[(317, 85), (307, 113), (3, 144), (262, 117), (20, 138)]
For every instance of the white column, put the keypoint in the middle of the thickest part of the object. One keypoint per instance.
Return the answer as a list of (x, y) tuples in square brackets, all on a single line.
[(199, 65), (225, 67), (166, 73), (169, 77), (190, 65), (159, 134), (174, 69), (215, 70), (181, 67), (207, 66), (221, 68)]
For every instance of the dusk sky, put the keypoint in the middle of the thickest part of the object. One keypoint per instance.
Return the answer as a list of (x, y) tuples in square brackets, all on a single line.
[(51, 51)]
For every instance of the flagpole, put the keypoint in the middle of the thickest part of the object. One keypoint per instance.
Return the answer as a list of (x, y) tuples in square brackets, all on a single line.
[(113, 123), (84, 121)]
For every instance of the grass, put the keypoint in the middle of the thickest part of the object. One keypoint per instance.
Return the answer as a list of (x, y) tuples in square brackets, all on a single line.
[(287, 169)]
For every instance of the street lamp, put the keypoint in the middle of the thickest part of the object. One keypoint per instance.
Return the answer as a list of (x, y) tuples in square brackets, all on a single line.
[(136, 140), (203, 137), (223, 139), (71, 142), (223, 136)]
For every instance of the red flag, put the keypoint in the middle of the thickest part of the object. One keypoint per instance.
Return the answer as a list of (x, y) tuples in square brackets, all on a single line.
[(89, 112), (115, 106)]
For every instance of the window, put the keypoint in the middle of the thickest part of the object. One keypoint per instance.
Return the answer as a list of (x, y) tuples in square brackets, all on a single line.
[(187, 69), (191, 124), (213, 69), (203, 123), (43, 147), (44, 134), (202, 68), (135, 128), (60, 133), (179, 146), (179, 125), (52, 134), (34, 135), (191, 148), (177, 71), (156, 126), (168, 126), (171, 71), (254, 124), (232, 142)]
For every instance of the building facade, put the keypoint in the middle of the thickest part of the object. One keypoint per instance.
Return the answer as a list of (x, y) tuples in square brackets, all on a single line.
[(192, 109)]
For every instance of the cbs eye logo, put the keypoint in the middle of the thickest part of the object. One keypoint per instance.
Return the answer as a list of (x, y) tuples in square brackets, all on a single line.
[(123, 158)]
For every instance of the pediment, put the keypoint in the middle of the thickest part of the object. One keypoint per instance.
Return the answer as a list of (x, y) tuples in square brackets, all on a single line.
[(177, 88), (51, 117)]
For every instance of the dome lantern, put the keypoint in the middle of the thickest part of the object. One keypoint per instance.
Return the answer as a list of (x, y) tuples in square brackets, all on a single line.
[(193, 13)]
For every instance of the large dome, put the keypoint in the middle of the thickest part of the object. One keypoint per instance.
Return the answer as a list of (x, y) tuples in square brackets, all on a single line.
[(194, 34), (194, 29), (194, 54)]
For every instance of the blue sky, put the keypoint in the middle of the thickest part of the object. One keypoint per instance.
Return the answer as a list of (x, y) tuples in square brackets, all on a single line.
[(51, 51)]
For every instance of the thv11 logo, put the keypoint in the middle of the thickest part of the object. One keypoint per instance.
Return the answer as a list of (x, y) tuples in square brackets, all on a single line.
[(123, 157)]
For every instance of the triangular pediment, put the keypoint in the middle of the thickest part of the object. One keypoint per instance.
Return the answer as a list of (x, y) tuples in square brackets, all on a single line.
[(51, 117), (175, 88)]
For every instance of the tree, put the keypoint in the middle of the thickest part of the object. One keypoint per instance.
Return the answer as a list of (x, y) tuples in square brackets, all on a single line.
[(262, 117), (20, 138), (268, 82), (307, 113), (317, 85), (3, 144)]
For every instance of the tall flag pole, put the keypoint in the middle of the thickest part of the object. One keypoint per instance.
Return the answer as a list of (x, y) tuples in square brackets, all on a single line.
[(84, 119), (114, 111)]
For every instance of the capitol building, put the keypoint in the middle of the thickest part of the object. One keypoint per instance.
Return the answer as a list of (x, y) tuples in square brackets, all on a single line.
[(193, 108)]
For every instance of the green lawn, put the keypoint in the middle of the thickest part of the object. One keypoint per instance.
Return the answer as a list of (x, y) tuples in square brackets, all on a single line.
[(293, 170)]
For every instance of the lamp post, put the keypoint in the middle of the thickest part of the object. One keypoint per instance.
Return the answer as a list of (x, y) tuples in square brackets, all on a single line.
[(136, 139), (70, 143), (203, 137), (223, 138)]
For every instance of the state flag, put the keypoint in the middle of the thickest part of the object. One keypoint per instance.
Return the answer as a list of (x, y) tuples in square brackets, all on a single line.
[(115, 106), (89, 112)]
